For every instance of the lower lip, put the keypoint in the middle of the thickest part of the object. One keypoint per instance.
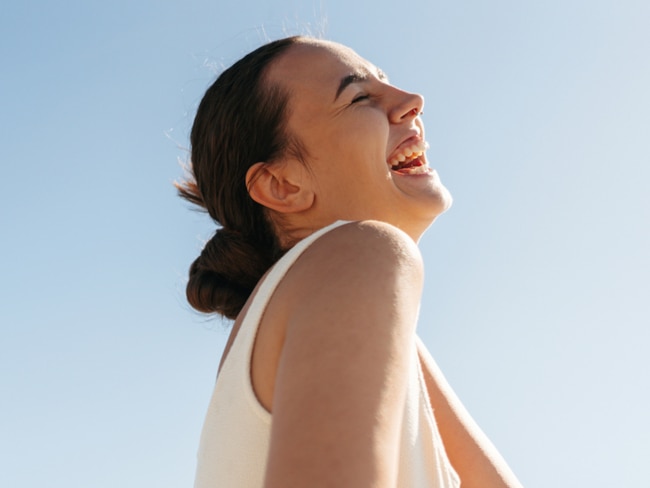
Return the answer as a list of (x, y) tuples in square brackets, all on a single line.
[(418, 171)]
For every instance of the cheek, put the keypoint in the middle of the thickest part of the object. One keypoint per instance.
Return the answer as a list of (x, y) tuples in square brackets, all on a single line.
[(363, 144), (346, 152)]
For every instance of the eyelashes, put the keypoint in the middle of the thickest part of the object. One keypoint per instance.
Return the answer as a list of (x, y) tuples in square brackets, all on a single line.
[(360, 98)]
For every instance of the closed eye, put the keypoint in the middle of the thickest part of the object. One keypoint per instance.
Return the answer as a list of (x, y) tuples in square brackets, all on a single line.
[(360, 98)]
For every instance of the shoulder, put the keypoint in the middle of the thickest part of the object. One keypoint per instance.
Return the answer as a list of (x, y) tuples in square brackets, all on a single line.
[(359, 244), (368, 268)]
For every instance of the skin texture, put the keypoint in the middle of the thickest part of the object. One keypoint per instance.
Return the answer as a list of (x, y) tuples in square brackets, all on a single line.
[(331, 354)]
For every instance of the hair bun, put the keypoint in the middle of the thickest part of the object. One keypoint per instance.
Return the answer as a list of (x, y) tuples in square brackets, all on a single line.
[(226, 272)]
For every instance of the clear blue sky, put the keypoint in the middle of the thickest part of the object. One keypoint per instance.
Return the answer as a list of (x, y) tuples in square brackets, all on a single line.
[(537, 290)]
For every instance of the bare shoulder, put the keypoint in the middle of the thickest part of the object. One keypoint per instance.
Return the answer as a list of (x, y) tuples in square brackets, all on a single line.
[(364, 268), (357, 247)]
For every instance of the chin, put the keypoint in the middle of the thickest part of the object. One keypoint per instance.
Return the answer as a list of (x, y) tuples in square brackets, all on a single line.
[(427, 190), (438, 200), (437, 203), (446, 200)]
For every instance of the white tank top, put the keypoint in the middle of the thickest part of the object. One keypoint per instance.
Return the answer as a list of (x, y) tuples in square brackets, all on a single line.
[(236, 433)]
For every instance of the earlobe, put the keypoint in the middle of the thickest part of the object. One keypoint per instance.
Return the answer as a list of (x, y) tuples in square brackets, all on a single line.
[(277, 187)]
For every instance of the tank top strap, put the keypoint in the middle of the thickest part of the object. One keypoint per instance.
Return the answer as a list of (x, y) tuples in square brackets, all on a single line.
[(277, 272), (239, 357)]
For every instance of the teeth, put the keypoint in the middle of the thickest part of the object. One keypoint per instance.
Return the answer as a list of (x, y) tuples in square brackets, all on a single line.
[(409, 152)]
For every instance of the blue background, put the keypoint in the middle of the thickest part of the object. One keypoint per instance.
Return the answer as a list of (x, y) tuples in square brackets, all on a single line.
[(536, 300)]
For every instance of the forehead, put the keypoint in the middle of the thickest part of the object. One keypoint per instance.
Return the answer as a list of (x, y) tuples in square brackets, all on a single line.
[(318, 65)]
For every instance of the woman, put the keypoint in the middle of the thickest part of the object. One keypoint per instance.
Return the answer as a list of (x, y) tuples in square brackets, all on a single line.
[(314, 166)]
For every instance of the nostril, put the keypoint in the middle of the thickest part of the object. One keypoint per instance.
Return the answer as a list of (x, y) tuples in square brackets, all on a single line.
[(414, 112)]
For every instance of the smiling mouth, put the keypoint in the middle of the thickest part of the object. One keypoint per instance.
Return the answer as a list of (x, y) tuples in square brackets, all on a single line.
[(409, 159)]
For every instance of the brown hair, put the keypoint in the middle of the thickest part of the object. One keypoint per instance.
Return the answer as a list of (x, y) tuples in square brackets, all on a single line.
[(240, 121)]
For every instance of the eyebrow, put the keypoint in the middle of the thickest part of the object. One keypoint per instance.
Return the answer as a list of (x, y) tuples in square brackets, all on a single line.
[(348, 80), (357, 78)]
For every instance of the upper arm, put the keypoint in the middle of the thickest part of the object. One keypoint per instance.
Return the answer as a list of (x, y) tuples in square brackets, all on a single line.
[(341, 380)]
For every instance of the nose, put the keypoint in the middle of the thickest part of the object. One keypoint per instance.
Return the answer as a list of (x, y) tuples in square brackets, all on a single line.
[(406, 106)]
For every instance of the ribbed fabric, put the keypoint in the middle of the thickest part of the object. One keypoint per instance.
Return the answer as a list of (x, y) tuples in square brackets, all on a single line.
[(235, 437)]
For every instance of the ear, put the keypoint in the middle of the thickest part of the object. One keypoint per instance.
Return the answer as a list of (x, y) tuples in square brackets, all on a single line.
[(282, 186)]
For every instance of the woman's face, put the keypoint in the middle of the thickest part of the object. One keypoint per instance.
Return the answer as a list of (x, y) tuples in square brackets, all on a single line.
[(364, 139)]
